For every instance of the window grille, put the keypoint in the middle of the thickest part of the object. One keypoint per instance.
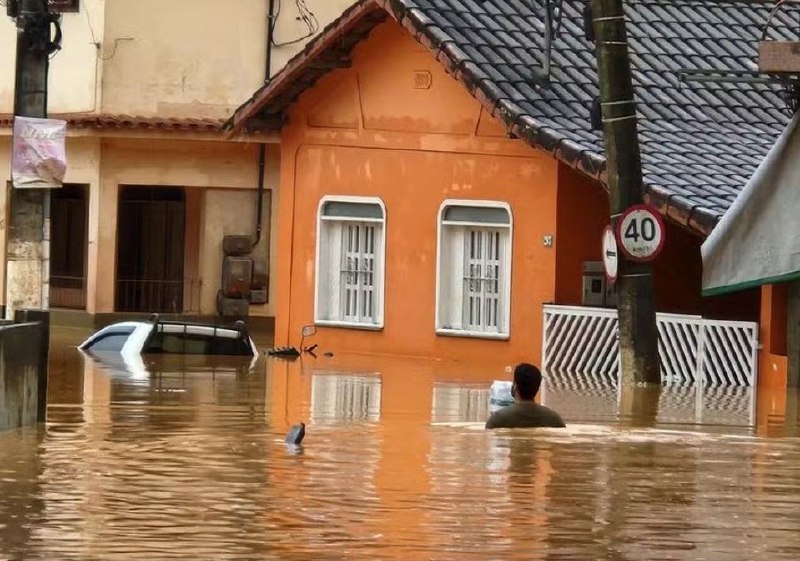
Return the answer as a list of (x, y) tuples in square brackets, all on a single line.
[(358, 272), (482, 280)]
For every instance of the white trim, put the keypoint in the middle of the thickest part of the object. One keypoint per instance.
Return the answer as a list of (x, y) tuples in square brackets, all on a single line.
[(352, 219), (475, 224), (352, 199), (473, 334), (382, 283), (440, 223), (349, 324)]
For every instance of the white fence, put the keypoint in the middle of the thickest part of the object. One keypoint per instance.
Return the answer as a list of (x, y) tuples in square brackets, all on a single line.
[(583, 342)]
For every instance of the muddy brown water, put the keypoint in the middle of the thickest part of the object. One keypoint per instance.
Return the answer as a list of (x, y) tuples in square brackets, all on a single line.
[(183, 458)]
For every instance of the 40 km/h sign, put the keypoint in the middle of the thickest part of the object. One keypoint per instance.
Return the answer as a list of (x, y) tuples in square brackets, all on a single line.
[(641, 233)]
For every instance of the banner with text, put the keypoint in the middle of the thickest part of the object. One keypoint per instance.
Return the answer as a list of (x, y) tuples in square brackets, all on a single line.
[(39, 159)]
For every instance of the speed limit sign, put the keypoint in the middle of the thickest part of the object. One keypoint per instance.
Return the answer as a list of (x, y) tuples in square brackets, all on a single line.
[(641, 233)]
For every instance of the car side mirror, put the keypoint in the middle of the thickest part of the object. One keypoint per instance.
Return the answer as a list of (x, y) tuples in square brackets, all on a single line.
[(309, 330)]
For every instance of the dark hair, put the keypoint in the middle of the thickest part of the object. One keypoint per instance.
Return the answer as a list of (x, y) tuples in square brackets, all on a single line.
[(527, 380)]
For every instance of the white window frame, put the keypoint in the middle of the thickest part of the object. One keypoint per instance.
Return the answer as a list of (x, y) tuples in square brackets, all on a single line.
[(380, 260), (506, 286)]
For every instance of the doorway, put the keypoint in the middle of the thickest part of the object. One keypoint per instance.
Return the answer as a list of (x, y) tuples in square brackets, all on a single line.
[(150, 249), (68, 244)]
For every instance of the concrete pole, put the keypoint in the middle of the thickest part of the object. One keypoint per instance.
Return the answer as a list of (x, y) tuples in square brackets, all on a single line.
[(28, 210), (638, 343)]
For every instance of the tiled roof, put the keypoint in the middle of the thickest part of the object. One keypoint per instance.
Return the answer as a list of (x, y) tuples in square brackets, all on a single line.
[(98, 121), (700, 141)]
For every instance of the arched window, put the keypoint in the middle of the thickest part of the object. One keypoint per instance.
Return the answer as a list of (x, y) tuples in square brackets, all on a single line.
[(474, 269), (350, 262)]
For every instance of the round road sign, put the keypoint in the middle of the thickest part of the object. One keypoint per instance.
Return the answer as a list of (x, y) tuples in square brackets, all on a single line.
[(610, 255), (641, 232)]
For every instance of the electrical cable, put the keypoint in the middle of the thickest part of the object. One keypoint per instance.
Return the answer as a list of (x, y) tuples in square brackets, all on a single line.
[(305, 15)]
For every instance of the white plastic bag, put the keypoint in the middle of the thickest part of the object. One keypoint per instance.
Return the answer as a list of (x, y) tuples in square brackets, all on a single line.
[(500, 394)]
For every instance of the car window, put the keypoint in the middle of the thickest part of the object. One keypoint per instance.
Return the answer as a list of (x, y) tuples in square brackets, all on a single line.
[(202, 330), (185, 344), (189, 343), (229, 346), (111, 341)]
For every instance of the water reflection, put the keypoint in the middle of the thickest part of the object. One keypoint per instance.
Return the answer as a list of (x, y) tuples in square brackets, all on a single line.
[(338, 398), (184, 458)]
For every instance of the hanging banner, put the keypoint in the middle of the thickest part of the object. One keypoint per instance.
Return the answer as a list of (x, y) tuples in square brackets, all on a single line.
[(38, 159)]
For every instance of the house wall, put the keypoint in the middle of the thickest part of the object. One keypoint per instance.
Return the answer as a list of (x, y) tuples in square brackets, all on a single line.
[(174, 59), (226, 175), (399, 128), (369, 131), (182, 58), (581, 215), (220, 180)]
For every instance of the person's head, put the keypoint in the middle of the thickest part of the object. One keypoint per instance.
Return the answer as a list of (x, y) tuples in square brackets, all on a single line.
[(527, 380)]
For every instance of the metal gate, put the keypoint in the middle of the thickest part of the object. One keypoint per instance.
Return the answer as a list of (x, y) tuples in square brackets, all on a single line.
[(583, 342)]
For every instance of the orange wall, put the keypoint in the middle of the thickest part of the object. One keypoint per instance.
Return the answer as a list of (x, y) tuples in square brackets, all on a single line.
[(773, 366), (582, 215), (371, 130)]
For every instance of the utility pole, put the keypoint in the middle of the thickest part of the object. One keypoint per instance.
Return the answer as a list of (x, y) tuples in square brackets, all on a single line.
[(638, 335), (28, 210)]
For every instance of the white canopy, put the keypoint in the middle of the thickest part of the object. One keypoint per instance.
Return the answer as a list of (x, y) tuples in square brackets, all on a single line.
[(758, 240)]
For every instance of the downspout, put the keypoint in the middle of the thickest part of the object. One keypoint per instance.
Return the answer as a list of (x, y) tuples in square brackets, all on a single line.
[(262, 148)]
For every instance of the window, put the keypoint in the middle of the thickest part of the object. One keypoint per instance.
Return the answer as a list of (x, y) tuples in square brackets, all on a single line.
[(197, 340), (350, 262), (111, 341), (474, 269)]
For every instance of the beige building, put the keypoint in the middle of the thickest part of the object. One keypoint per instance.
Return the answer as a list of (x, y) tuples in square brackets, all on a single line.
[(153, 185)]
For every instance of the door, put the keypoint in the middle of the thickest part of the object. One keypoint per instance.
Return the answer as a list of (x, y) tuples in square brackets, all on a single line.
[(68, 244), (150, 249)]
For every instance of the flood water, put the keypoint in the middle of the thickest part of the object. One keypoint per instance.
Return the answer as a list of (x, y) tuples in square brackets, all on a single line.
[(183, 459)]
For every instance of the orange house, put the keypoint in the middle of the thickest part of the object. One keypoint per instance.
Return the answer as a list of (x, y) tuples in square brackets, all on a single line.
[(436, 190)]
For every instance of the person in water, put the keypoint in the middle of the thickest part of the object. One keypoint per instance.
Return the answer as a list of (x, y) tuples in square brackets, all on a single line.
[(525, 412)]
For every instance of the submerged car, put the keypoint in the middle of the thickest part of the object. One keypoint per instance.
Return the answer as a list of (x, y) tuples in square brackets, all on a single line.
[(133, 338)]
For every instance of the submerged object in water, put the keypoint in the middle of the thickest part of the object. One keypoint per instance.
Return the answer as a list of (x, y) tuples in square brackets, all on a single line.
[(288, 352), (296, 434)]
